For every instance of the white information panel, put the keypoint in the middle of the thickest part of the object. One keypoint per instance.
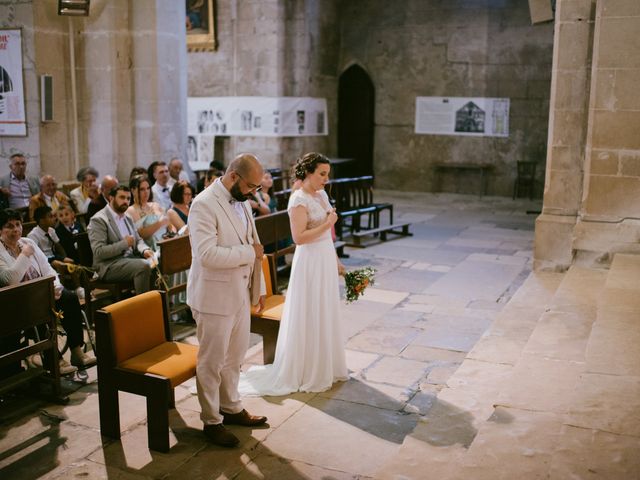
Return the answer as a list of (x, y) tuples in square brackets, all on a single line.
[(477, 117), (12, 113)]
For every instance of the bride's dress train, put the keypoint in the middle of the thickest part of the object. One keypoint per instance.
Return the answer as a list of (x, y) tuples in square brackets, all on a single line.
[(310, 353)]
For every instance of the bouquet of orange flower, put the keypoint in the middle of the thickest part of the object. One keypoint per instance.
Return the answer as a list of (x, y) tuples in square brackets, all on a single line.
[(357, 281)]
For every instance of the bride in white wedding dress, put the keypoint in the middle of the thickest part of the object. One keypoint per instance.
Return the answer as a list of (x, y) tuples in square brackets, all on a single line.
[(310, 353)]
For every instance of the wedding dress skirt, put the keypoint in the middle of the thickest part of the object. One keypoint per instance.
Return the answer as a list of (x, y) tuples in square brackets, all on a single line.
[(310, 353)]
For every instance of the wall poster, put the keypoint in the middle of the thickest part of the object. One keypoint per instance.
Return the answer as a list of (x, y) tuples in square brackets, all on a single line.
[(13, 120), (477, 117)]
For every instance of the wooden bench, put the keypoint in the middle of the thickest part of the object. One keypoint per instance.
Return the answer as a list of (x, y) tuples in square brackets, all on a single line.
[(382, 231), (482, 168), (267, 322), (27, 306)]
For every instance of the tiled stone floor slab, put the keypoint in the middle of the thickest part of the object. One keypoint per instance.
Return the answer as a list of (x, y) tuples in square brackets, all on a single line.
[(399, 318), (86, 469), (479, 375), (593, 454), (392, 297), (388, 341), (406, 280), (396, 371), (606, 402), (614, 349), (341, 436), (541, 384), (432, 355), (358, 361), (447, 339), (369, 393)]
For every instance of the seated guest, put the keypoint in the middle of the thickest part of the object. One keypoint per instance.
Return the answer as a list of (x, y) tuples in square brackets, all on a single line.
[(49, 196), (216, 169), (21, 260), (99, 202), (88, 189), (149, 218), (176, 170), (181, 196), (45, 236), (67, 227), (162, 187), (118, 251), (16, 186), (262, 203), (135, 171)]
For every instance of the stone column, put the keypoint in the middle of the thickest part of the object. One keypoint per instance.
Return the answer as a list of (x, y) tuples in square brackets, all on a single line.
[(568, 120)]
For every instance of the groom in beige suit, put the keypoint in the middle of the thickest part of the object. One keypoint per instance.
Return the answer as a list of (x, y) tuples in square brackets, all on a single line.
[(224, 281)]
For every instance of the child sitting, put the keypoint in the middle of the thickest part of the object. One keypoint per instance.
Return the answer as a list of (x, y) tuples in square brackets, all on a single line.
[(67, 227), (45, 236)]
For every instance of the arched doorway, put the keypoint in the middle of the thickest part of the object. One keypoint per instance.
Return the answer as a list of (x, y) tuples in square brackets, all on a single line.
[(355, 120)]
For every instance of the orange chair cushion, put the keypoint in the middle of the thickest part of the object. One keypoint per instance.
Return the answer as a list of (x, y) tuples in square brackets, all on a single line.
[(137, 325), (273, 306), (266, 271), (173, 360)]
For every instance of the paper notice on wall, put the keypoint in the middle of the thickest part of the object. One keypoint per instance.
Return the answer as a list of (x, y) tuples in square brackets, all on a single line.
[(477, 117), (12, 111), (257, 116)]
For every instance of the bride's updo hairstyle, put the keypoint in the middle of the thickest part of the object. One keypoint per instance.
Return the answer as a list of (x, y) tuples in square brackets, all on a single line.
[(308, 164)]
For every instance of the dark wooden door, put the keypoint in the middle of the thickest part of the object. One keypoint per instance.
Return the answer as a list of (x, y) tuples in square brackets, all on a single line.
[(355, 120)]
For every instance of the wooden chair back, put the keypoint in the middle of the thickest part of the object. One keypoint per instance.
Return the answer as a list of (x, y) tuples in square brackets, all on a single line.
[(175, 254)]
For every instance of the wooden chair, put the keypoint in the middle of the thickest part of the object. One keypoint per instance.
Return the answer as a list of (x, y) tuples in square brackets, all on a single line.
[(136, 355), (267, 322), (26, 306), (175, 257)]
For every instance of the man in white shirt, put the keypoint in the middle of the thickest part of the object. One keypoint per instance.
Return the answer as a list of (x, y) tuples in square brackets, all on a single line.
[(176, 170), (46, 237), (119, 254), (162, 188)]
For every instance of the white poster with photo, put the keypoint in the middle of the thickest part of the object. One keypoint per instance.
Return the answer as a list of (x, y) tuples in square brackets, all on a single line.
[(476, 117), (257, 116), (13, 120)]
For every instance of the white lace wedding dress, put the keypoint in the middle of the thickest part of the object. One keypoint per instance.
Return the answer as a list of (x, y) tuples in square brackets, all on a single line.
[(310, 353)]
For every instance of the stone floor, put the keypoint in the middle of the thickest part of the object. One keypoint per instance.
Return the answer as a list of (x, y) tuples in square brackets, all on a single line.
[(463, 364)]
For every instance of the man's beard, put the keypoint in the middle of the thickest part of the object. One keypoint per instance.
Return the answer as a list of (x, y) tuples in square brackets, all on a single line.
[(121, 208), (237, 194)]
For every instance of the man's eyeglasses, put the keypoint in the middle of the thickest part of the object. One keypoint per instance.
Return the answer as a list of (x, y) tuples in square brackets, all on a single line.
[(252, 187)]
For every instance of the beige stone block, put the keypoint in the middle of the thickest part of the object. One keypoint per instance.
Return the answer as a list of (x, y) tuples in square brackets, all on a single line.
[(560, 335), (512, 444), (368, 393), (624, 272), (565, 157), (613, 197), (574, 42), (428, 354), (630, 163), (617, 130), (540, 11), (505, 349), (536, 291), (604, 162), (580, 286), (389, 341), (626, 89), (619, 45), (604, 88), (568, 127), (396, 371), (571, 89), (563, 192), (541, 384), (619, 8), (585, 453), (476, 375), (606, 402), (613, 345), (574, 10)]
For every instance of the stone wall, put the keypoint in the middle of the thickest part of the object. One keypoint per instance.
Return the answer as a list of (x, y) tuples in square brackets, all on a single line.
[(464, 48), (130, 65), (592, 189), (271, 48)]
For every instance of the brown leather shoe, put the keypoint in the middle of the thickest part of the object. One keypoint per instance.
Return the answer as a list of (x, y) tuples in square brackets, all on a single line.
[(220, 436), (243, 418)]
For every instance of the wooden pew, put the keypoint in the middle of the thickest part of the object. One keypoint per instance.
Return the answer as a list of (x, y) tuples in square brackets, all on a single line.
[(27, 306)]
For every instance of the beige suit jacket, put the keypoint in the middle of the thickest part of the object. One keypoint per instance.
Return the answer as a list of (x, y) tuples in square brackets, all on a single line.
[(223, 264)]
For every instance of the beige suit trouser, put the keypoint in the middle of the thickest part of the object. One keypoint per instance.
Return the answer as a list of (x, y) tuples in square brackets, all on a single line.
[(223, 344)]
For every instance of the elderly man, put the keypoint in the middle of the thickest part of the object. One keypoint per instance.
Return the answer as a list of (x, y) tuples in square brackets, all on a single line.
[(49, 196), (224, 281), (176, 170), (17, 186), (101, 201), (118, 251)]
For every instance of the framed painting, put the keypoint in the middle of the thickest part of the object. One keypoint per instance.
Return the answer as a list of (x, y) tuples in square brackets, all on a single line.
[(201, 31)]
